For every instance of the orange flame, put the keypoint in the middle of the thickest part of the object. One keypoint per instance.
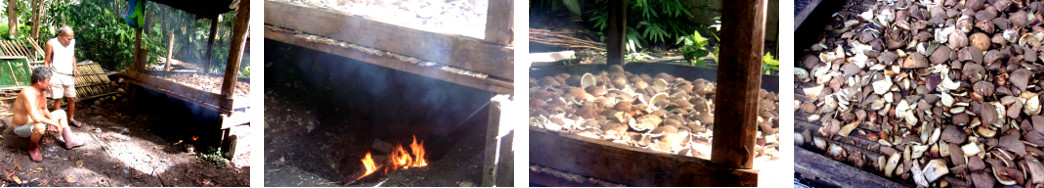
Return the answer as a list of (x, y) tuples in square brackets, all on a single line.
[(399, 158), (368, 163), (194, 138), (418, 152)]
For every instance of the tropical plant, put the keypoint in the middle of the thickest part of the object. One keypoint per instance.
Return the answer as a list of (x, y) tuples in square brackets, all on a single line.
[(770, 65), (101, 34), (649, 21)]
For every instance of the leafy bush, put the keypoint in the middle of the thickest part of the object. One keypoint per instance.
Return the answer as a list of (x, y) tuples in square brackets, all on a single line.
[(213, 155), (694, 47), (649, 21)]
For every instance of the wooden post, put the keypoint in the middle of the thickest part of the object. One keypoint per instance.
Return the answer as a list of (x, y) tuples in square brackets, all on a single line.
[(500, 22), (37, 13), (617, 33), (170, 52), (498, 152), (210, 44), (739, 79), (12, 18), (139, 64), (239, 35)]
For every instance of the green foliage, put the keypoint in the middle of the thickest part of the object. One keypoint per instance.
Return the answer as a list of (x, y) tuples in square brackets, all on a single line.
[(649, 21), (214, 157), (770, 65), (101, 34), (694, 48)]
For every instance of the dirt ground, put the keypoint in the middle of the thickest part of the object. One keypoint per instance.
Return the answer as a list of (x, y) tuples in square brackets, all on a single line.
[(122, 148), (319, 124)]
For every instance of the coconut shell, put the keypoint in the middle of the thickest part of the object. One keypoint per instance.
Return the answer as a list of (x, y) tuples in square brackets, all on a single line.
[(993, 56), (1020, 78), (941, 55), (980, 40), (988, 115), (887, 57), (915, 61), (953, 134), (1012, 143)]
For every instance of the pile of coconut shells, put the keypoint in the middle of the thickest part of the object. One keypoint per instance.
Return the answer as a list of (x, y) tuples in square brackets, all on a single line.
[(947, 92), (661, 113)]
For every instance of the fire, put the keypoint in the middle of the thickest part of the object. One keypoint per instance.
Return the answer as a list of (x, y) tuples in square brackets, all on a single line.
[(368, 163), (399, 157), (194, 138)]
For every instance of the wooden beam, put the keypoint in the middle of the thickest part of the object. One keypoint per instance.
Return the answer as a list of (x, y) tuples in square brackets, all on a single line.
[(188, 94), (617, 38), (371, 56), (454, 50), (235, 53), (829, 173), (739, 80), (629, 165), (210, 44), (500, 22), (805, 12)]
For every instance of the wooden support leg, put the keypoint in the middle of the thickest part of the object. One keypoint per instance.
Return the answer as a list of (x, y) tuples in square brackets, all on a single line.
[(617, 33), (235, 54), (498, 155), (499, 22), (739, 80)]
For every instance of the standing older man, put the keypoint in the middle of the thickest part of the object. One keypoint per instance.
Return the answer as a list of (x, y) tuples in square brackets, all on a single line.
[(61, 57)]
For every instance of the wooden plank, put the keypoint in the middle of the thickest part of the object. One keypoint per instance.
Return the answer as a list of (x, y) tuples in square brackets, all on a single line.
[(628, 165), (453, 50), (805, 12), (37, 50), (544, 179), (235, 54), (188, 94), (617, 38), (739, 80), (500, 22), (829, 173), (309, 41)]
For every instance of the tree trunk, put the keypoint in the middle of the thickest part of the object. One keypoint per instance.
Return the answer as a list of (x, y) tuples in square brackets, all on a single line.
[(210, 44), (12, 18), (170, 51), (37, 13)]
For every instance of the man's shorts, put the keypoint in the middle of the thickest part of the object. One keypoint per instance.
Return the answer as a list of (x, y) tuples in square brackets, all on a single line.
[(62, 85), (26, 130)]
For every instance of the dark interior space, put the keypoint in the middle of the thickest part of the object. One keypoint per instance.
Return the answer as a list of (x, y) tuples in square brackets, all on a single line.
[(323, 113)]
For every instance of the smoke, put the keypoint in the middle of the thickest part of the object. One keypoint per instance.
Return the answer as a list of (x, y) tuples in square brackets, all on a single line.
[(399, 99)]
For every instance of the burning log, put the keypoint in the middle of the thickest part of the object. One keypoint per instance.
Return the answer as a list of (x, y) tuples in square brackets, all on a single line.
[(398, 158)]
